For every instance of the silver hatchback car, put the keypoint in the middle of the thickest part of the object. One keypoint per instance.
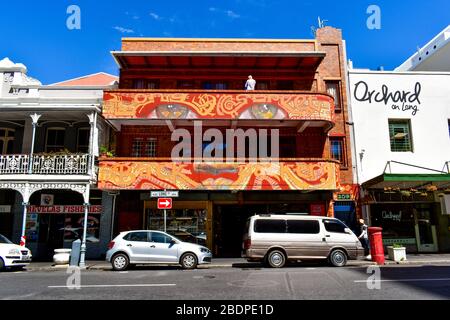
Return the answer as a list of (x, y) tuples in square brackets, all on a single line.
[(154, 247)]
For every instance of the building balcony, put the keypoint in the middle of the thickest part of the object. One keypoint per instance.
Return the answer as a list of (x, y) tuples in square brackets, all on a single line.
[(277, 108), (20, 167), (162, 173)]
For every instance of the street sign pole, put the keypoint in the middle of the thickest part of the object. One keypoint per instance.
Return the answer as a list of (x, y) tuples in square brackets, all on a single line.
[(165, 220)]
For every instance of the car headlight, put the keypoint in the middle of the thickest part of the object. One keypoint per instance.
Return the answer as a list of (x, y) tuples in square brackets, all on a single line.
[(204, 250), (14, 252)]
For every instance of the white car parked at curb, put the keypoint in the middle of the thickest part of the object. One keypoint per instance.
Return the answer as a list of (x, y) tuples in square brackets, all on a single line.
[(12, 255)]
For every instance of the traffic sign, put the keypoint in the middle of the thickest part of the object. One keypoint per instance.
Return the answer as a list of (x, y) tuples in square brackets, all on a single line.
[(164, 194), (164, 203)]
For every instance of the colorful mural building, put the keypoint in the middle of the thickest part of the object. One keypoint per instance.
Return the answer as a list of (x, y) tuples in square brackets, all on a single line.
[(181, 118)]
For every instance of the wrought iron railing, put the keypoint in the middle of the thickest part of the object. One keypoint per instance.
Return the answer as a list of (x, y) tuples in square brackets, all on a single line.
[(45, 164)]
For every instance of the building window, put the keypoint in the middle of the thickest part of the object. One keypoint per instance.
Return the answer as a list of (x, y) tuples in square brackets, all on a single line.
[(215, 85), (145, 84), (449, 127), (6, 140), (400, 135), (334, 90), (144, 147), (54, 141), (185, 84), (338, 150), (285, 85), (83, 138), (262, 85)]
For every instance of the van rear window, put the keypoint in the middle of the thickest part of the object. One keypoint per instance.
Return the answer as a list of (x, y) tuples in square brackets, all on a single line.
[(270, 226), (303, 226)]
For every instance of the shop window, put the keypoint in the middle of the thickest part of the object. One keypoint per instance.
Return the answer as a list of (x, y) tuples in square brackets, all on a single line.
[(303, 226), (334, 226), (188, 225), (334, 90), (144, 147), (54, 141), (270, 226), (400, 135), (145, 84), (6, 140), (83, 138), (338, 150)]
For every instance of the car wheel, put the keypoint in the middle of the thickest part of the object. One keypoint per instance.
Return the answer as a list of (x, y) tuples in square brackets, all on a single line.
[(2, 264), (276, 259), (189, 261), (338, 258), (120, 262)]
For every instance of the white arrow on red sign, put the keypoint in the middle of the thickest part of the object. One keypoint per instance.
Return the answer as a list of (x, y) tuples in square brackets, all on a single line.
[(165, 203)]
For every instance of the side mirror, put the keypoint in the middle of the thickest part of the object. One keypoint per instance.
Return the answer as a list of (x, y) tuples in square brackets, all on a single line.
[(347, 230), (172, 242)]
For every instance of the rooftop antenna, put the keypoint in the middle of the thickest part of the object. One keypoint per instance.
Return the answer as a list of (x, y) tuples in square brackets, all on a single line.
[(321, 22)]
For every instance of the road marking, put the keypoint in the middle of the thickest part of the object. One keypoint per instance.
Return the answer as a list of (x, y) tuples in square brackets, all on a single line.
[(119, 285), (403, 280)]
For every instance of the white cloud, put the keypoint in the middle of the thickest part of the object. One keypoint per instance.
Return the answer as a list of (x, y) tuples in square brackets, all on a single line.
[(212, 9), (232, 14), (123, 30), (155, 16)]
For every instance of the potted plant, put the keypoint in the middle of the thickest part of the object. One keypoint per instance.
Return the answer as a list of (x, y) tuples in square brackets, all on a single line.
[(397, 252), (105, 152)]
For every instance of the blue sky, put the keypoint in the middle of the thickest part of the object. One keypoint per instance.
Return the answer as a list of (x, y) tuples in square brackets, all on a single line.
[(35, 32)]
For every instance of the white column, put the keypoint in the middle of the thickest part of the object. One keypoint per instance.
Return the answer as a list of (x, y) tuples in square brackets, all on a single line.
[(92, 121), (25, 203), (35, 118)]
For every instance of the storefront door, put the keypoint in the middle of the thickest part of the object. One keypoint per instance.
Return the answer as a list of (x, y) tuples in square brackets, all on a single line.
[(425, 230)]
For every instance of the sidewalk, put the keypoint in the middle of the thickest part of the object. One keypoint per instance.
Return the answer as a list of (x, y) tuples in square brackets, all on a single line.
[(412, 259)]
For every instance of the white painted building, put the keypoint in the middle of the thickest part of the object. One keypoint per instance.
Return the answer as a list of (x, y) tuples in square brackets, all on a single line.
[(401, 146), (434, 56), (49, 140)]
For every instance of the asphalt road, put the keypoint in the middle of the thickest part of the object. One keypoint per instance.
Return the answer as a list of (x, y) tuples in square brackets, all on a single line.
[(300, 282)]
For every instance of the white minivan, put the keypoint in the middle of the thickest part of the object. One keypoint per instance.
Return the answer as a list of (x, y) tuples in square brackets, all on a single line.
[(276, 239)]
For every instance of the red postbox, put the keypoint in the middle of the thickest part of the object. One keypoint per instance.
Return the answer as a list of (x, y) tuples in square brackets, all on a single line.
[(376, 245)]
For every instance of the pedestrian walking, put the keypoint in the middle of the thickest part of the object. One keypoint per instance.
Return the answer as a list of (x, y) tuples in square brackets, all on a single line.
[(364, 238), (250, 84)]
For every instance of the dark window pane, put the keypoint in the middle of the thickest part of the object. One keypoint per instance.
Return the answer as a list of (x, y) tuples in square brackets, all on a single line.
[(137, 236), (160, 238), (337, 149), (334, 90), (303, 226), (9, 147), (334, 226), (400, 135), (270, 226)]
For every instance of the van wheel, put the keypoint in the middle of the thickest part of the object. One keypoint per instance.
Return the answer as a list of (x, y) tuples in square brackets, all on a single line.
[(2, 264), (120, 262), (276, 259), (189, 261), (338, 258)]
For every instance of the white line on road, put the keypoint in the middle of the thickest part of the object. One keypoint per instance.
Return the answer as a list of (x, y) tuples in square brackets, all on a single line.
[(402, 280), (119, 285)]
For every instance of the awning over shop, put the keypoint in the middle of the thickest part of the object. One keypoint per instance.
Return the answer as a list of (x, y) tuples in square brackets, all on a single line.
[(408, 181)]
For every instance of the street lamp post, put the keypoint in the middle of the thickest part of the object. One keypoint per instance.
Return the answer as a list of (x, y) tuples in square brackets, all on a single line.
[(34, 118), (85, 225)]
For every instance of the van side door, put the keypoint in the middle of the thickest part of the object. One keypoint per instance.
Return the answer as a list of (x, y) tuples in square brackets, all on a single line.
[(306, 239)]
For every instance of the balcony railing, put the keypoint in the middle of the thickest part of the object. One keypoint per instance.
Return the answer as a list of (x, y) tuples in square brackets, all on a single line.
[(160, 174), (44, 164), (218, 104)]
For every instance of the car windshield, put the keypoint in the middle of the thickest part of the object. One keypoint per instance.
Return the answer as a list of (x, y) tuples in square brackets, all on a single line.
[(3, 239)]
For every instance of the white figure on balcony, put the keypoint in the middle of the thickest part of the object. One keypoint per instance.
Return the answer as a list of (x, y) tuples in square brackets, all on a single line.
[(250, 84)]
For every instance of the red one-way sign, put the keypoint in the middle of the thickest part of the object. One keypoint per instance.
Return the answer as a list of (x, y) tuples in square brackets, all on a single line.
[(164, 203)]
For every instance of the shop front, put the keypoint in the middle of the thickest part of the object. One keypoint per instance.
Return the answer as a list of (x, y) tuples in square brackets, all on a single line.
[(55, 219), (408, 209)]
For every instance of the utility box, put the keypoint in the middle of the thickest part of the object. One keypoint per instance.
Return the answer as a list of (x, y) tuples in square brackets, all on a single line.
[(75, 254)]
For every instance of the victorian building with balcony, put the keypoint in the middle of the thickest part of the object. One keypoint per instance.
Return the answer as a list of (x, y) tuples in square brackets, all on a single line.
[(49, 141), (181, 112)]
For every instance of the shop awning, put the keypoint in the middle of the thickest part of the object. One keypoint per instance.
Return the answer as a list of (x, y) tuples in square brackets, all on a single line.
[(408, 181)]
